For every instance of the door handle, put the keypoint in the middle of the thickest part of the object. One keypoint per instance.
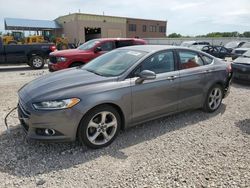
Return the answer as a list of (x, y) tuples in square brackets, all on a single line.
[(172, 77), (207, 71)]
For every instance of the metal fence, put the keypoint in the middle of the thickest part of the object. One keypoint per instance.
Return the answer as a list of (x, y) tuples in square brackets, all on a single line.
[(178, 41)]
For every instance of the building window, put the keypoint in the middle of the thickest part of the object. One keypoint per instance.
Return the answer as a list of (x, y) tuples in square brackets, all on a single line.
[(152, 28), (132, 27), (144, 28), (162, 29)]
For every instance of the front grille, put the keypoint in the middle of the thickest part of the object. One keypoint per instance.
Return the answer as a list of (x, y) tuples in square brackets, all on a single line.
[(52, 59)]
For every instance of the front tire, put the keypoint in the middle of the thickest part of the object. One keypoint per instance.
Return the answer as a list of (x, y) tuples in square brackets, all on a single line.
[(213, 99), (99, 127), (36, 62)]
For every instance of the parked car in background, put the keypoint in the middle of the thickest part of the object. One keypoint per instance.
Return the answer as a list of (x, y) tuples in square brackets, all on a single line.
[(241, 67), (119, 89), (217, 51), (83, 54), (239, 51), (234, 44), (32, 54), (193, 43)]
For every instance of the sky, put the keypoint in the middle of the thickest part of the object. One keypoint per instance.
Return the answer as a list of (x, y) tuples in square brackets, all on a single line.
[(187, 17)]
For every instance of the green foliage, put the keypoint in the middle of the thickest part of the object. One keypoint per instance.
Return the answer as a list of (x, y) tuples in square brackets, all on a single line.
[(174, 35), (226, 34), (246, 34)]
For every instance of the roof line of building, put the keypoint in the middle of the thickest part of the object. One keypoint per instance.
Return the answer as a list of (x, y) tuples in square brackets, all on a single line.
[(110, 16)]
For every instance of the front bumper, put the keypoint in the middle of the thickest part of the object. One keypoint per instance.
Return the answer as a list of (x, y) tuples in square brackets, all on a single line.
[(63, 122), (241, 72)]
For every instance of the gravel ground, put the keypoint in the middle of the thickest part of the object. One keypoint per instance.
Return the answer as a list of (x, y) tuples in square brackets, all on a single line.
[(191, 149)]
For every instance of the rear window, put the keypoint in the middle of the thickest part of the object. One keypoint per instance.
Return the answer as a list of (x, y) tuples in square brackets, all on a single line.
[(123, 43)]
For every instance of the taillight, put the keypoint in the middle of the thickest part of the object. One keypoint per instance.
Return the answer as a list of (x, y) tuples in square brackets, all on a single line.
[(52, 48), (229, 68)]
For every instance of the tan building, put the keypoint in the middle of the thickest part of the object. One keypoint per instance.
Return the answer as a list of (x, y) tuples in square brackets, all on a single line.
[(80, 27)]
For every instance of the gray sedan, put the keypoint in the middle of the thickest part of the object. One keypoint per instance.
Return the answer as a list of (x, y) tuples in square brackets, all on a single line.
[(120, 89)]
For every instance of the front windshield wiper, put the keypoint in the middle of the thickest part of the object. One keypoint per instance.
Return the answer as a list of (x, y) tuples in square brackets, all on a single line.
[(94, 72)]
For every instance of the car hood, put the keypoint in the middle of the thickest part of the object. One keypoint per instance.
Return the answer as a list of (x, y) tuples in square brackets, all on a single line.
[(61, 84), (241, 49), (65, 53)]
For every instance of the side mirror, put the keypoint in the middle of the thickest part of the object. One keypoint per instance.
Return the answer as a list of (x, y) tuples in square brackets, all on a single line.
[(98, 49), (145, 75)]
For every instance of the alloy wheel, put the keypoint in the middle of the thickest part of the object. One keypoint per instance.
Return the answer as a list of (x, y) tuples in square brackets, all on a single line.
[(101, 128), (37, 62), (215, 98)]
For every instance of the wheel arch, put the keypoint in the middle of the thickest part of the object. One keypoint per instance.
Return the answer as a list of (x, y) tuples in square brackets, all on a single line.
[(35, 53), (115, 106)]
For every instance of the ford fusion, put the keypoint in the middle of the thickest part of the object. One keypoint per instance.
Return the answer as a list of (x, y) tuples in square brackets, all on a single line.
[(120, 89)]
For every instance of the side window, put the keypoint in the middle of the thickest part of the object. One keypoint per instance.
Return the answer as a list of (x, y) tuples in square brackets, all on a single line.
[(159, 63), (190, 59), (123, 43), (107, 46), (223, 50), (207, 60)]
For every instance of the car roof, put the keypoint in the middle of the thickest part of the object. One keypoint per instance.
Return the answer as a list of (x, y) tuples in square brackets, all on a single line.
[(152, 48), (118, 39)]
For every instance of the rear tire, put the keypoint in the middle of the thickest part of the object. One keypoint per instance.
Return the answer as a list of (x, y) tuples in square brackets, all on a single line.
[(213, 99), (99, 127), (37, 62)]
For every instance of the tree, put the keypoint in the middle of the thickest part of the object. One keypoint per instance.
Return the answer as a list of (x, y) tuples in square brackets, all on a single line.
[(174, 35), (246, 34)]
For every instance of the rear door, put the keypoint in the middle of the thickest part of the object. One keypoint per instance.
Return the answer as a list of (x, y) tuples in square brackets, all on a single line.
[(15, 53), (153, 98), (192, 79)]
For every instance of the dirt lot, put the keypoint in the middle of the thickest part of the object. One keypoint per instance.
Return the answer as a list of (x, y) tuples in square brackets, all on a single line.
[(191, 149)]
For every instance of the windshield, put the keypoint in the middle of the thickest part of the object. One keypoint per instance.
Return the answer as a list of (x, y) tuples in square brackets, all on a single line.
[(233, 44), (246, 45), (114, 63), (88, 45)]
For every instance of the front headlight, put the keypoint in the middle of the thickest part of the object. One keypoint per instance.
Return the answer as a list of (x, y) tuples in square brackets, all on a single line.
[(61, 59), (56, 104)]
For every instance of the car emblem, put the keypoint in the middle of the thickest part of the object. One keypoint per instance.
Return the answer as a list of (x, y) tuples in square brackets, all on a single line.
[(244, 69)]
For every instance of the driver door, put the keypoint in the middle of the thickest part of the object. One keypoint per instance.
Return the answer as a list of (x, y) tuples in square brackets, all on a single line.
[(154, 98)]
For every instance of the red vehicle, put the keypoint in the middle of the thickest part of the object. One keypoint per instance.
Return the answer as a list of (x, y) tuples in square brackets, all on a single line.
[(83, 54)]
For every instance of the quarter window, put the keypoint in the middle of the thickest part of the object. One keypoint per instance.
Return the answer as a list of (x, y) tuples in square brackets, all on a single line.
[(207, 60), (190, 60), (159, 63)]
